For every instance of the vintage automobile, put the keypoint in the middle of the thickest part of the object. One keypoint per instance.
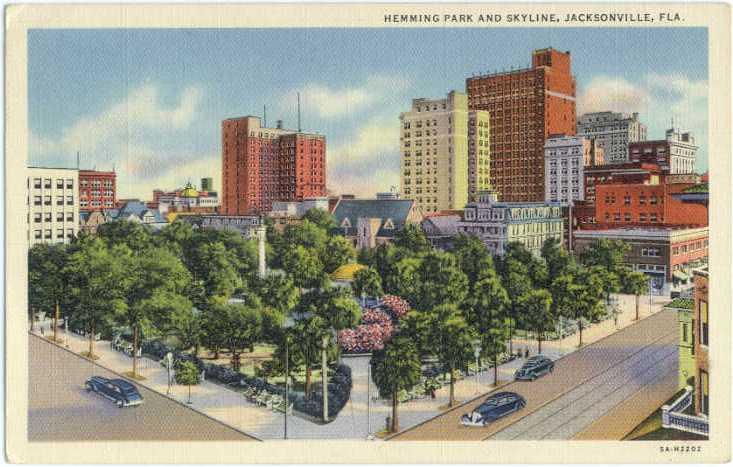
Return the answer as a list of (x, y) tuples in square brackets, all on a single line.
[(119, 391), (493, 408), (534, 367)]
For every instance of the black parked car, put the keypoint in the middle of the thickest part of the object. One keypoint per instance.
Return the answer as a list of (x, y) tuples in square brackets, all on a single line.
[(494, 407), (118, 391), (535, 367)]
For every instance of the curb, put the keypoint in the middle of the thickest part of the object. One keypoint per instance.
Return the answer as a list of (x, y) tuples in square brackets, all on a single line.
[(143, 385)]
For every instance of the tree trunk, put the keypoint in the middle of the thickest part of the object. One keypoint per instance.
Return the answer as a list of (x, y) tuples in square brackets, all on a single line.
[(395, 422), (91, 343), (308, 381), (452, 396), (511, 336), (33, 318), (216, 353), (496, 368), (134, 352), (56, 323), (189, 393), (580, 333), (637, 308), (539, 342)]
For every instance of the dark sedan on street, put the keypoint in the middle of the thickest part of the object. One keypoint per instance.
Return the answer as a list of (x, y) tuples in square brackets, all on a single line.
[(493, 408), (534, 367), (119, 391)]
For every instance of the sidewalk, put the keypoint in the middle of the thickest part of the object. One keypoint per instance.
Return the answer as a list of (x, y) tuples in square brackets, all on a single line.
[(361, 415)]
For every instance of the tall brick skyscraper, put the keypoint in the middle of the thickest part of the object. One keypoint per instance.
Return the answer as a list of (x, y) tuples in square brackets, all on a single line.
[(262, 165), (525, 107)]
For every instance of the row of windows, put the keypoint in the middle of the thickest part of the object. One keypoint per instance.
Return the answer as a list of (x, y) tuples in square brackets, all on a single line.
[(46, 234), (47, 183), (699, 245), (47, 217), (46, 200), (652, 217), (95, 183)]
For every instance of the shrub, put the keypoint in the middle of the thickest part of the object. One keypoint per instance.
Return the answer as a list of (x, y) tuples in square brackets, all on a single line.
[(396, 306)]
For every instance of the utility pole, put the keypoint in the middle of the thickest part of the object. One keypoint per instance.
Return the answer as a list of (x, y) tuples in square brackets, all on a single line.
[(324, 377), (369, 399), (298, 112), (56, 322), (287, 374)]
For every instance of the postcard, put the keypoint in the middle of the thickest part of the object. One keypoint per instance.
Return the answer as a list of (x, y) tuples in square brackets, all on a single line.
[(368, 233)]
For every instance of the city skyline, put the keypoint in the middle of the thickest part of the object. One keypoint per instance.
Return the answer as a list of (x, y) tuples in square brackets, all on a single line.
[(156, 118)]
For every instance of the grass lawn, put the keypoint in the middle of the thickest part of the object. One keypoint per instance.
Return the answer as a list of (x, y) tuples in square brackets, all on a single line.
[(651, 428)]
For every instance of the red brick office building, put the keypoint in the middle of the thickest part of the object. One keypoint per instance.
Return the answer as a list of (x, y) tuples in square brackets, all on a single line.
[(526, 107), (97, 190), (261, 165)]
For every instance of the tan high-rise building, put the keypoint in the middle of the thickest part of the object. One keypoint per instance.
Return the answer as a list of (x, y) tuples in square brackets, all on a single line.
[(526, 107), (444, 152)]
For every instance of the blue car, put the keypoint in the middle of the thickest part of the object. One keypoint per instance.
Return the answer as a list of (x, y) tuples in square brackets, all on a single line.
[(118, 391), (534, 367), (494, 407)]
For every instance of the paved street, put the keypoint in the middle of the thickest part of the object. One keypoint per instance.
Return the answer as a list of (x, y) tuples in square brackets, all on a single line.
[(584, 385), (358, 418), (60, 409)]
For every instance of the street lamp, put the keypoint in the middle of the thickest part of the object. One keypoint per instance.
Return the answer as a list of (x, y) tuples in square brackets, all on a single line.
[(287, 325), (168, 366), (477, 354), (324, 375)]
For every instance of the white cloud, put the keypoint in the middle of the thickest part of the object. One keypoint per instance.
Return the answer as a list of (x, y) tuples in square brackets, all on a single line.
[(658, 99), (139, 136), (614, 94), (329, 102)]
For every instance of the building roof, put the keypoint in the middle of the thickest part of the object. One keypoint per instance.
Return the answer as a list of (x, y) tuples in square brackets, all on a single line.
[(681, 303), (347, 272), (138, 209), (393, 214), (189, 191), (648, 232)]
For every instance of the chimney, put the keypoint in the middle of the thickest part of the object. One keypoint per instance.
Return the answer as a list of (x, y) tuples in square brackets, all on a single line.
[(279, 124)]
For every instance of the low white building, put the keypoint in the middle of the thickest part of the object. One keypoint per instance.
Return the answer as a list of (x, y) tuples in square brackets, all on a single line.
[(297, 209), (500, 223), (52, 205), (565, 157)]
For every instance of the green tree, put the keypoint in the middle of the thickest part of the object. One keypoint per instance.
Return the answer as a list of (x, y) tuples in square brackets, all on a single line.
[(278, 292), (444, 329), (413, 239), (188, 374), (536, 268), (47, 283), (536, 305), (337, 252), (135, 235), (589, 298), (335, 305), (155, 286), (186, 324), (439, 281), (606, 253), (94, 276), (320, 218), (402, 278), (487, 316), (242, 329), (396, 368), (306, 348), (304, 267), (516, 281), (557, 259), (473, 257), (216, 271), (367, 282), (306, 234), (635, 283), (213, 328), (175, 236)]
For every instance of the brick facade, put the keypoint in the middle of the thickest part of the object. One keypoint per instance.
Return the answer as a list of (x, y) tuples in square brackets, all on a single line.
[(525, 107), (97, 190), (263, 165)]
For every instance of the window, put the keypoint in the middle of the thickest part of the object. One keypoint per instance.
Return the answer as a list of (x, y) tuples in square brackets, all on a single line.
[(627, 200), (69, 200), (69, 233), (703, 322), (59, 217), (47, 200), (60, 183), (37, 234), (47, 183), (36, 183), (47, 217), (47, 234), (69, 183), (69, 217), (59, 233), (705, 392), (37, 217), (36, 200)]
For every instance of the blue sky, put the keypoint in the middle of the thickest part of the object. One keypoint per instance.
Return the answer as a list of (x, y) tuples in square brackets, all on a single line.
[(150, 102)]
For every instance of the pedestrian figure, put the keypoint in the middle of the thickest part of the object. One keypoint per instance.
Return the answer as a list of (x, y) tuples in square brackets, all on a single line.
[(526, 352), (43, 332)]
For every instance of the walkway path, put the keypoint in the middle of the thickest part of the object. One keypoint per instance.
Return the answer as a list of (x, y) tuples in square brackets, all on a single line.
[(362, 414)]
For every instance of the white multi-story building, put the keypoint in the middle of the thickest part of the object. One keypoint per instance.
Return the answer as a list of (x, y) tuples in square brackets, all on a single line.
[(53, 205), (444, 152), (565, 157), (613, 131), (499, 223), (676, 154)]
